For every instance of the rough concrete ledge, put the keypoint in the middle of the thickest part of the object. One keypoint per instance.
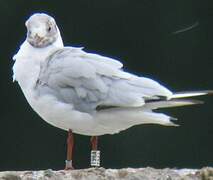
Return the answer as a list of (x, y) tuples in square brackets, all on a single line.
[(111, 174)]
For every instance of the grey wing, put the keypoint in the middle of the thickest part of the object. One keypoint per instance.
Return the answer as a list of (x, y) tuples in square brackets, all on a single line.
[(88, 81)]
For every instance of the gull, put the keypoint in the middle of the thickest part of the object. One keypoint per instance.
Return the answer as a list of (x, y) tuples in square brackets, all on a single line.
[(86, 93)]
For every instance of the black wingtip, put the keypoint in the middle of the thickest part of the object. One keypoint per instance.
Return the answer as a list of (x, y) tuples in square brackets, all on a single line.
[(210, 92), (173, 122)]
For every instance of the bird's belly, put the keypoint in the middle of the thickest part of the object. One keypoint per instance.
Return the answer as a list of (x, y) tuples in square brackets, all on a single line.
[(62, 115)]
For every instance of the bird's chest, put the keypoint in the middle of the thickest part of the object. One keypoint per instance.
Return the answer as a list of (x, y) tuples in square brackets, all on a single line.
[(26, 72), (60, 114)]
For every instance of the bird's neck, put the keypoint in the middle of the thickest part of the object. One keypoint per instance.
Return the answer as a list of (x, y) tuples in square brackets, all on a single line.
[(28, 59), (27, 50)]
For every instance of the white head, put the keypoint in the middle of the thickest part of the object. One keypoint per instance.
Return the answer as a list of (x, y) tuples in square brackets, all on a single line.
[(42, 30)]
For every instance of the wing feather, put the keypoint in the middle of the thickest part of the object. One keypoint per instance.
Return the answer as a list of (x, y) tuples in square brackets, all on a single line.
[(88, 80)]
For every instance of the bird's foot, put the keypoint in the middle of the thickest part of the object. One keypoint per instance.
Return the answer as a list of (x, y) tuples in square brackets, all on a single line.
[(68, 165)]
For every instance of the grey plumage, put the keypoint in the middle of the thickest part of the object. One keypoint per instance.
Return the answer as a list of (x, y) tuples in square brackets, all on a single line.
[(88, 93), (89, 80)]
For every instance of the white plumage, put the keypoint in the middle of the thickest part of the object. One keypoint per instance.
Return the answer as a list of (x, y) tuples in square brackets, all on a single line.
[(85, 92)]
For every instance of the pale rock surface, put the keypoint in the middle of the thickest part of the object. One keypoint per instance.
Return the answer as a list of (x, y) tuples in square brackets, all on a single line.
[(111, 174)]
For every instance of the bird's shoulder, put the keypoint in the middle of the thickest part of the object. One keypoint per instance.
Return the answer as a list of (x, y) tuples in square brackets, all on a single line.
[(78, 63), (72, 53)]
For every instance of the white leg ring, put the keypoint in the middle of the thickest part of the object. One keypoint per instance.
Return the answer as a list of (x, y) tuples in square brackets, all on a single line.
[(95, 158)]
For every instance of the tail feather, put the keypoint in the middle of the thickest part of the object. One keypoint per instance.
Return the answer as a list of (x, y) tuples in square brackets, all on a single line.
[(171, 103), (190, 94), (120, 118), (177, 99)]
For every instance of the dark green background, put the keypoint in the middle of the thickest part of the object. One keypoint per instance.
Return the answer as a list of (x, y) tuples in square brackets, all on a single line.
[(139, 33)]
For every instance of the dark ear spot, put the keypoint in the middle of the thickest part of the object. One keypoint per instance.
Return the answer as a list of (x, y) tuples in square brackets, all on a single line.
[(49, 29)]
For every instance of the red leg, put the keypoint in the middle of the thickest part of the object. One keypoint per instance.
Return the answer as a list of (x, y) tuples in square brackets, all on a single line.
[(94, 142), (70, 144)]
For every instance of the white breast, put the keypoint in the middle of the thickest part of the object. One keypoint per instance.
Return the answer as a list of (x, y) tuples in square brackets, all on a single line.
[(26, 71)]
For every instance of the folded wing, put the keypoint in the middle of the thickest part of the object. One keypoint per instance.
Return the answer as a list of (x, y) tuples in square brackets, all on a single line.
[(88, 80)]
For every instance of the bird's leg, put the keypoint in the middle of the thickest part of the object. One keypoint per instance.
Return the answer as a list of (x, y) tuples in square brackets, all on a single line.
[(70, 144), (94, 142), (95, 153)]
